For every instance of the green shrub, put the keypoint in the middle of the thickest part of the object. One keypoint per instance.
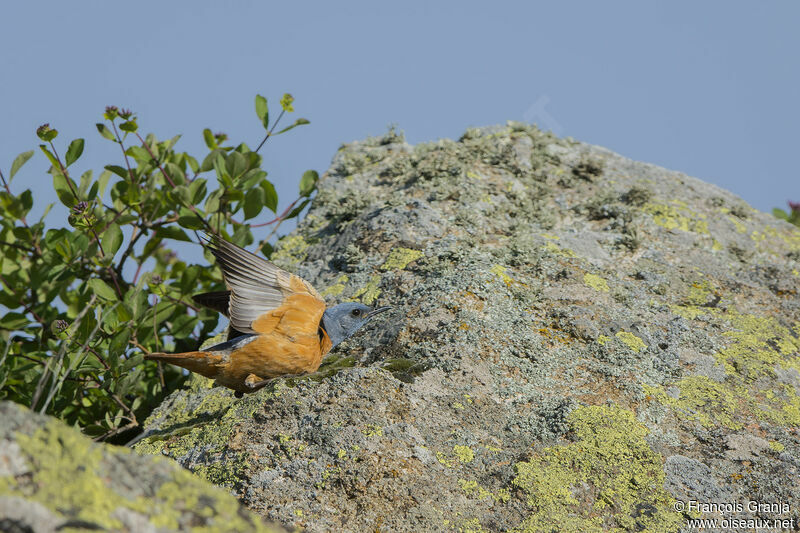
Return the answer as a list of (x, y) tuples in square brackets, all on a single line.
[(85, 300), (793, 216)]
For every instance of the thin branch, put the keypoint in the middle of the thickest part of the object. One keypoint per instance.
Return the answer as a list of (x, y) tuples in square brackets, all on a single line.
[(122, 147), (269, 133), (169, 180)]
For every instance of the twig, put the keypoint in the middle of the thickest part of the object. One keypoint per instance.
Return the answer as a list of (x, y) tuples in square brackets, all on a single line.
[(269, 133), (169, 180)]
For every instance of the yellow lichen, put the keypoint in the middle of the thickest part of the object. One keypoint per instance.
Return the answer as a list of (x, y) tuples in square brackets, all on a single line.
[(372, 430), (632, 341), (680, 217), (71, 476), (596, 282), (292, 248), (369, 292), (554, 249), (463, 453), (776, 446), (399, 258), (500, 272), (337, 288), (598, 482)]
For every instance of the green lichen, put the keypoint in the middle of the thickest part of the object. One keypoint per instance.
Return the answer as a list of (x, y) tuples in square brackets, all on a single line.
[(337, 288), (500, 272), (555, 249), (776, 446), (291, 249), (474, 490), (369, 292), (70, 476), (711, 403), (596, 282), (608, 479), (207, 426), (463, 453), (631, 341), (756, 347), (680, 217), (372, 430), (399, 258)]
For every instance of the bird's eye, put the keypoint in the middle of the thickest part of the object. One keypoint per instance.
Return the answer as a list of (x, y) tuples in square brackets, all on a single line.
[(356, 312)]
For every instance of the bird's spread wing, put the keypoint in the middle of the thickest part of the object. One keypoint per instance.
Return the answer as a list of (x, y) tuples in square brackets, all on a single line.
[(258, 286)]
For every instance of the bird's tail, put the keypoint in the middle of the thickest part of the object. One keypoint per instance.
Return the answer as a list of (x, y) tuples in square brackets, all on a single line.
[(203, 363)]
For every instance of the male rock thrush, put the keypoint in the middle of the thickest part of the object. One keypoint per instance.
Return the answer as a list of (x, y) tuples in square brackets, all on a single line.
[(279, 323)]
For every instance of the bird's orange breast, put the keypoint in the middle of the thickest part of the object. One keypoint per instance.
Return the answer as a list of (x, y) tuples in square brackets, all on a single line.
[(288, 342)]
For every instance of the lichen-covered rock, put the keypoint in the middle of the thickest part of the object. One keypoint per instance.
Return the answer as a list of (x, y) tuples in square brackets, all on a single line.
[(577, 341), (52, 478)]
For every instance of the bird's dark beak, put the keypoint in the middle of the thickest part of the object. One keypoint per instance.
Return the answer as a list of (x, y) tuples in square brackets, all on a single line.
[(378, 310)]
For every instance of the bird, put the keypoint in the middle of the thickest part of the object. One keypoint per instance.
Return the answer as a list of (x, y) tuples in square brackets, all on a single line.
[(279, 324)]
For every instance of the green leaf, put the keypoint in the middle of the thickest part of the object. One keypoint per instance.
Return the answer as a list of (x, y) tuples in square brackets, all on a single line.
[(172, 232), (253, 202), (86, 179), (26, 199), (46, 133), (210, 140), (103, 181), (270, 195), (129, 126), (175, 173), (251, 178), (74, 151), (190, 221), (105, 132), (298, 122), (192, 162), (210, 160), (308, 182), (262, 111), (112, 239), (212, 202), (296, 211), (140, 154), (50, 156), (119, 343), (197, 190), (235, 164), (286, 102), (14, 322), (63, 190), (780, 213), (118, 170), (20, 160), (102, 289)]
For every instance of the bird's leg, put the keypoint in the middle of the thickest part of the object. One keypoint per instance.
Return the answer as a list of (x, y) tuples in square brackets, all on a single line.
[(255, 383)]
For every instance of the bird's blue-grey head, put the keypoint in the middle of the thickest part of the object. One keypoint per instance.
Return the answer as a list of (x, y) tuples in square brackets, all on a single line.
[(341, 321)]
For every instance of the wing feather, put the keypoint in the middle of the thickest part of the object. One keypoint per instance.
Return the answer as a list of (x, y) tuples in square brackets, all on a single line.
[(256, 285)]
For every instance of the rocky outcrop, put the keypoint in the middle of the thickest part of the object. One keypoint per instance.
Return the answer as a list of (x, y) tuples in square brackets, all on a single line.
[(52, 478), (579, 342)]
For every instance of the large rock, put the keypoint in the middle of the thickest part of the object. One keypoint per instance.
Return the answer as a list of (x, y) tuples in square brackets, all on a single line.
[(52, 478), (579, 342)]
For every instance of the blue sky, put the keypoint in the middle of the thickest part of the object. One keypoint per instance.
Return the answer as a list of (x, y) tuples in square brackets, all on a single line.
[(707, 88)]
